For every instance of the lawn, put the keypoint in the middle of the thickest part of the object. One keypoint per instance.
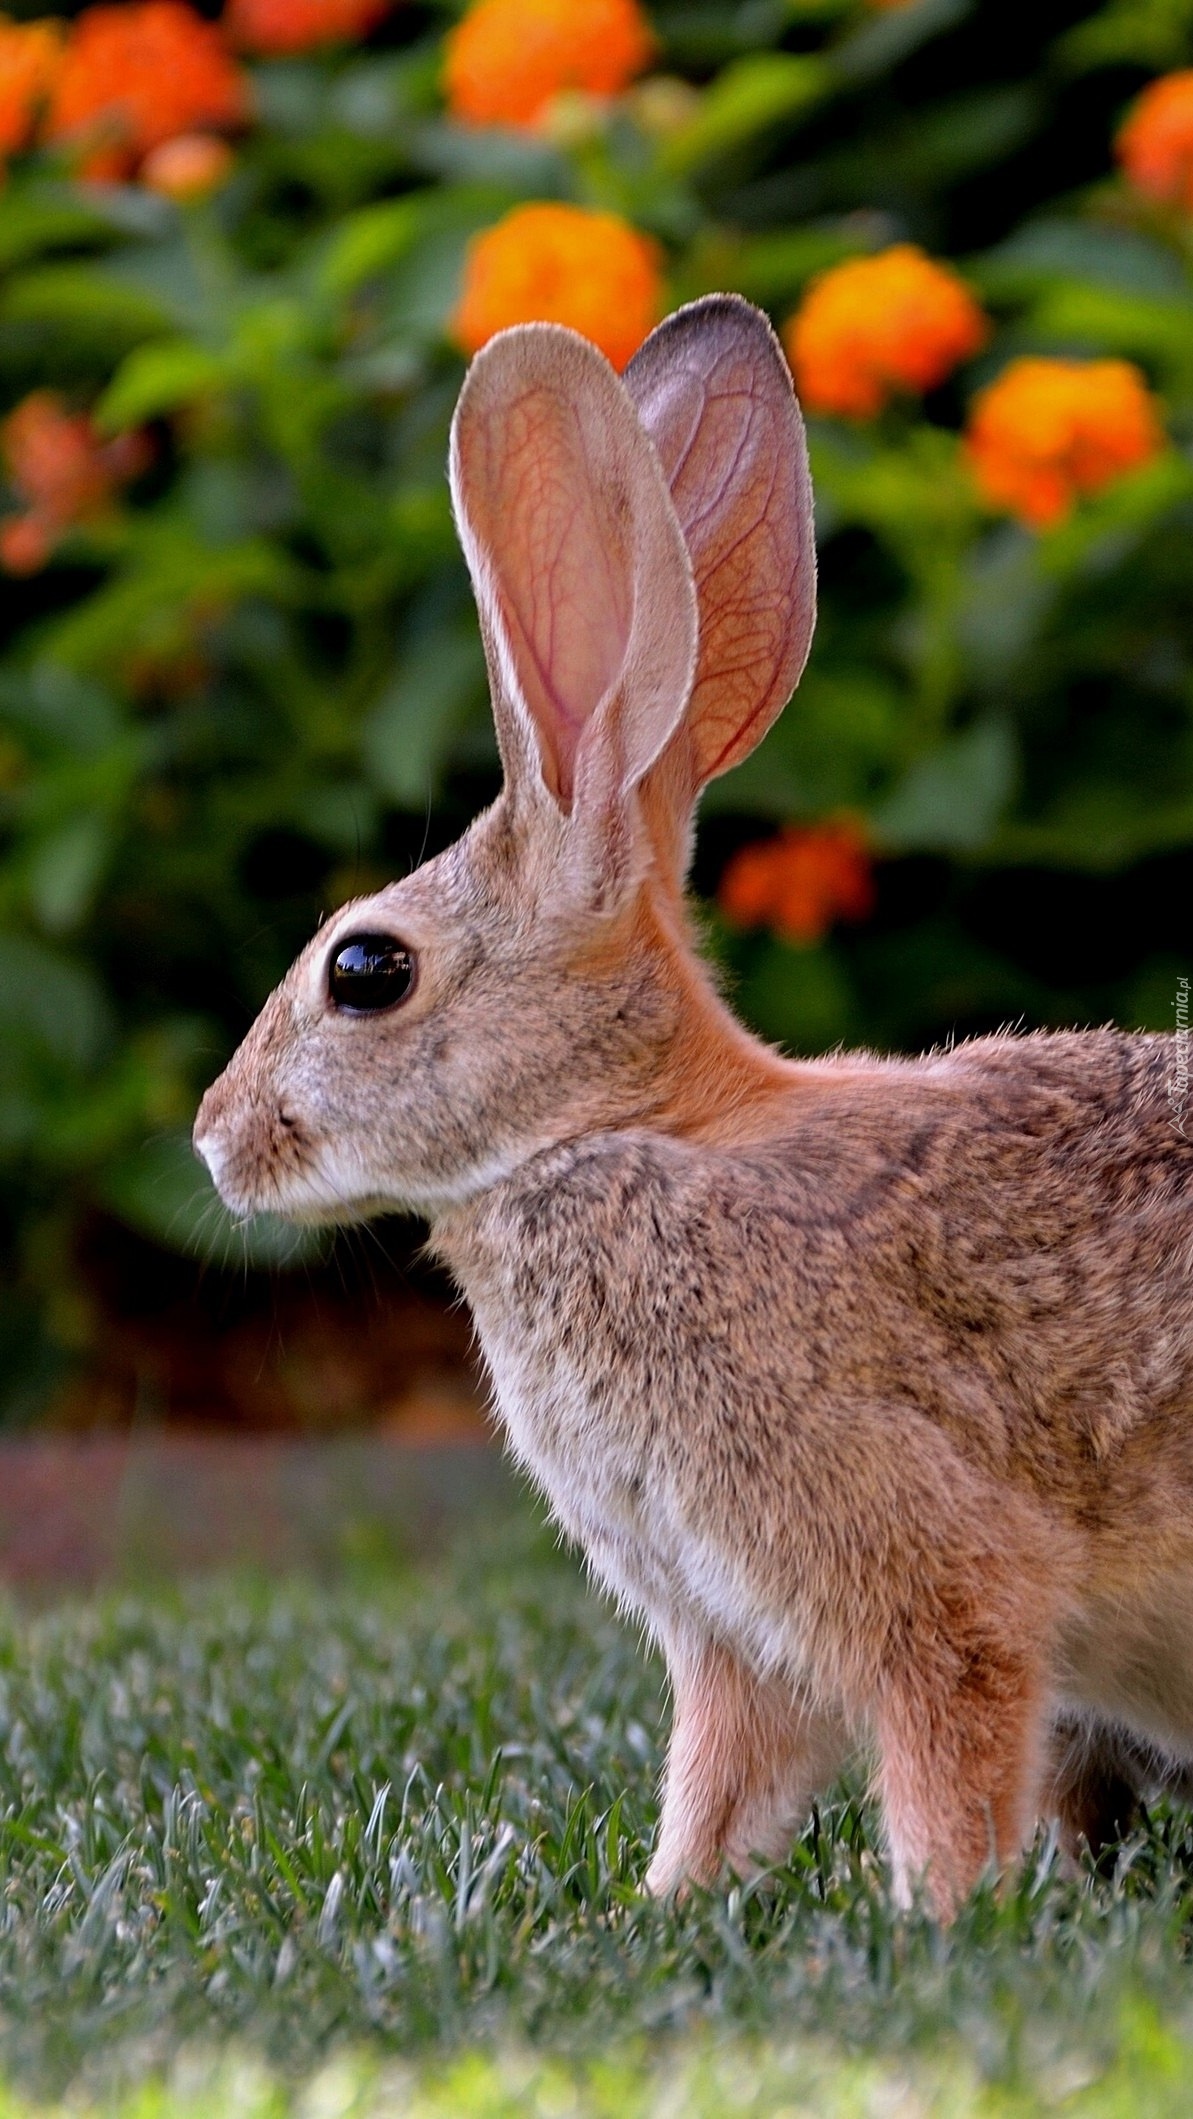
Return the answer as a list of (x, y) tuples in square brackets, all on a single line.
[(375, 1847)]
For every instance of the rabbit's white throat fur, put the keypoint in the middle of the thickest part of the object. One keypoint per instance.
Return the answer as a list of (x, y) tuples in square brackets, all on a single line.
[(867, 1383)]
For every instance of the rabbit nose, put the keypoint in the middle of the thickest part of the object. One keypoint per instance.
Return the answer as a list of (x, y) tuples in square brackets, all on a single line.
[(207, 1146), (226, 1138), (211, 1119), (254, 1144), (210, 1136)]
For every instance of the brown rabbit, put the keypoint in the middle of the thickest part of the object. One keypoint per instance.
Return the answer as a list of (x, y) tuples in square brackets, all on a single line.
[(866, 1383)]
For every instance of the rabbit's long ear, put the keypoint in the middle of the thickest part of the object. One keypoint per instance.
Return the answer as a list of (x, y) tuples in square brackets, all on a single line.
[(580, 568), (714, 393)]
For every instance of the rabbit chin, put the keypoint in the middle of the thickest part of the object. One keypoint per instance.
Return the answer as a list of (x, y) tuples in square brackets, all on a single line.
[(320, 1195), (310, 1196), (321, 1213)]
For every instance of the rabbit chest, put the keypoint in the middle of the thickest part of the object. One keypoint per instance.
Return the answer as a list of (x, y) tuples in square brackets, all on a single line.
[(629, 1368)]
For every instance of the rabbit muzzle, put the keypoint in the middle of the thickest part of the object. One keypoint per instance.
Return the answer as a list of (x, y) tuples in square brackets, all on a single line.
[(255, 1134), (263, 1159), (256, 1148)]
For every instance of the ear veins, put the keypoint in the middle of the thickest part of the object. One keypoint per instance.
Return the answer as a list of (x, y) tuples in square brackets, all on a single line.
[(714, 394), (746, 668)]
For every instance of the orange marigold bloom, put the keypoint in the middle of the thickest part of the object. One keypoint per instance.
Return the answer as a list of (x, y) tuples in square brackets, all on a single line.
[(1155, 145), (874, 326), (29, 56), (187, 167), (508, 59), (799, 883), (62, 471), (274, 27), (134, 76), (25, 544), (561, 265), (1046, 431)]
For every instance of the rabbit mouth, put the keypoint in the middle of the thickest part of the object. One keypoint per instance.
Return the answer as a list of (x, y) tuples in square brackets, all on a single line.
[(328, 1214), (306, 1197)]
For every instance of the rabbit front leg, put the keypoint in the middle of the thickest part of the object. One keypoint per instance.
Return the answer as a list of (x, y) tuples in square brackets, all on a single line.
[(960, 1769), (745, 1759)]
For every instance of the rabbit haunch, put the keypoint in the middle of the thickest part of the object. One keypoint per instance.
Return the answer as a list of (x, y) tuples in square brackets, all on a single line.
[(867, 1384)]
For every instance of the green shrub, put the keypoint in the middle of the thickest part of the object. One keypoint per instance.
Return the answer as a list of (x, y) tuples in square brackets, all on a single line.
[(254, 686)]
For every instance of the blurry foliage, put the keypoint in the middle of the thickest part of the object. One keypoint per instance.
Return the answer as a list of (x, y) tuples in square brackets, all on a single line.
[(253, 686)]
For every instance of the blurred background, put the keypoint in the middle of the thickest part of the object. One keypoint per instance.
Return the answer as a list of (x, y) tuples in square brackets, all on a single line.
[(244, 253)]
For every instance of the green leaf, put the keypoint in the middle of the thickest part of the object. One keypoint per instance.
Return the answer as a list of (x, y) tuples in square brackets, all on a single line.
[(703, 34), (1096, 827), (944, 142), (800, 998), (65, 870), (171, 575), (773, 269), (950, 800), (408, 737), (1150, 33), (51, 1001), (1104, 320), (465, 155), (1006, 600), (421, 518), (371, 242), (1094, 252), (827, 752), (162, 1191), (46, 218), (376, 94), (66, 711), (914, 495), (748, 96), (158, 378), (92, 307), (1101, 531), (892, 36)]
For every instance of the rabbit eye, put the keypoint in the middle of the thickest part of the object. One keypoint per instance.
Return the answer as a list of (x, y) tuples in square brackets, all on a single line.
[(369, 972)]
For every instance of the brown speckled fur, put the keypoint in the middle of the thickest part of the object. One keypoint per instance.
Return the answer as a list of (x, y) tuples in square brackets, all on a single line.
[(867, 1384)]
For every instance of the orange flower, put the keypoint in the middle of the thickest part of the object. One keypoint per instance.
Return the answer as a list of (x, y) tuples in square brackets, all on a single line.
[(1155, 146), (187, 167), (1046, 431), (874, 326), (62, 471), (508, 59), (25, 544), (278, 26), (561, 265), (29, 57), (134, 76), (799, 883)]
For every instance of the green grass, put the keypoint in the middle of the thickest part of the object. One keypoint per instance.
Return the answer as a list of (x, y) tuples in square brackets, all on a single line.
[(282, 1830)]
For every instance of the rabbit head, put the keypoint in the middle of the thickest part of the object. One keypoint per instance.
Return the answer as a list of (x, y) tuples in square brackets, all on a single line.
[(643, 561)]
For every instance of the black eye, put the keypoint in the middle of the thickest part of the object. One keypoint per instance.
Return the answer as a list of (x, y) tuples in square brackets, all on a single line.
[(368, 972)]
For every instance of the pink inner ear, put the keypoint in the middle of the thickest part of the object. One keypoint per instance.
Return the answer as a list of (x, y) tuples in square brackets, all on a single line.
[(556, 537), (581, 573)]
